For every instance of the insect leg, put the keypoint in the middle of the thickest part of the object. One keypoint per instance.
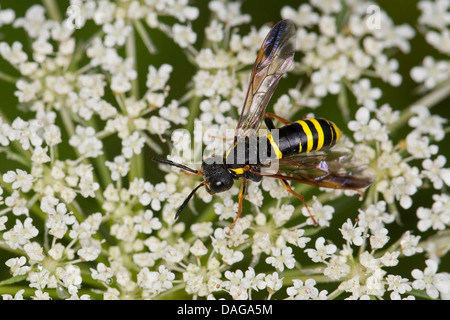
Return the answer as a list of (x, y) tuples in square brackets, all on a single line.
[(241, 199), (269, 115), (302, 199)]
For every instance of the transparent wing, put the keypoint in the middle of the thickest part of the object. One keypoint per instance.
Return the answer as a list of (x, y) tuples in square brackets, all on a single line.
[(335, 170), (274, 59)]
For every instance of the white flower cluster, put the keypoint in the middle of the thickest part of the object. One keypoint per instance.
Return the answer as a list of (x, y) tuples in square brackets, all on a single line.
[(435, 20), (87, 216), (340, 56)]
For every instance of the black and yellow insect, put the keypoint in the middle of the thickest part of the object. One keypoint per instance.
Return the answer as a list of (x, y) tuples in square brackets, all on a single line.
[(296, 150)]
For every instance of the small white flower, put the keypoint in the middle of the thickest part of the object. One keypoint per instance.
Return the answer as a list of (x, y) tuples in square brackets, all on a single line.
[(273, 282), (174, 113), (102, 273), (183, 35), (419, 145), (327, 26), (202, 229), (365, 94), (14, 53), (198, 249), (386, 69), (20, 179), (34, 251), (39, 295), (214, 32), (435, 171), (57, 251), (322, 214), (40, 155), (281, 257), (439, 40), (155, 281), (327, 6), (303, 291), (153, 195), (434, 13), (366, 128), (283, 214), (132, 145), (402, 191), (42, 48), (5, 132), (117, 33), (429, 218), (157, 125), (70, 275), (18, 204), (236, 284), (430, 280), (26, 132), (375, 284), (157, 78), (304, 16), (431, 73), (119, 168), (325, 81), (58, 219), (427, 123), (86, 142), (322, 251), (146, 222), (17, 296), (17, 267), (409, 244), (52, 135), (214, 109), (386, 115), (7, 16), (397, 285), (229, 12), (182, 11), (227, 209), (90, 249), (352, 233), (3, 220), (120, 84), (379, 238)]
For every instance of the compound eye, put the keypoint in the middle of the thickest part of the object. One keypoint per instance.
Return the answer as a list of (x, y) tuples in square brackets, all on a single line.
[(218, 184)]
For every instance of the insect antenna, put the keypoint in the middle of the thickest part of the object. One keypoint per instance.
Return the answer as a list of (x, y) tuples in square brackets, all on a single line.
[(188, 198), (171, 163)]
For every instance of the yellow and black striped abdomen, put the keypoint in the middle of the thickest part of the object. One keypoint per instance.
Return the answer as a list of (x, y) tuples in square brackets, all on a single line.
[(305, 136)]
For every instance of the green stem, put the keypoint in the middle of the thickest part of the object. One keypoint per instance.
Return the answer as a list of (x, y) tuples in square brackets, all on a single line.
[(343, 102), (53, 10), (336, 293), (430, 100), (194, 107), (12, 290), (137, 166), (131, 53), (7, 78), (290, 275), (145, 37), (68, 124)]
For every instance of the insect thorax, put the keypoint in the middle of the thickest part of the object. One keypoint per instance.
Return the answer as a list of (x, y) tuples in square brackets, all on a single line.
[(246, 155)]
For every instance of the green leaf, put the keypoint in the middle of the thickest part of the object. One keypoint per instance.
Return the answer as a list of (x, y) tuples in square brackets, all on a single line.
[(13, 280)]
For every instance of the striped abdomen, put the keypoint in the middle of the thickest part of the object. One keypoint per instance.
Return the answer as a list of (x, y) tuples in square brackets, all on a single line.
[(304, 136)]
